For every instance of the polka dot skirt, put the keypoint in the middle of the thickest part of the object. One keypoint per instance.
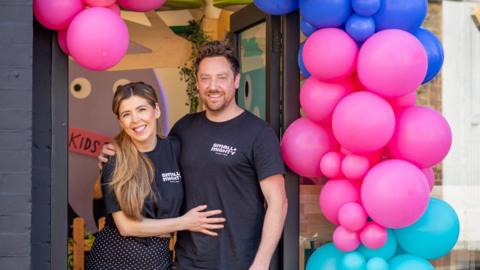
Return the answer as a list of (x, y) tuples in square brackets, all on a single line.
[(113, 251)]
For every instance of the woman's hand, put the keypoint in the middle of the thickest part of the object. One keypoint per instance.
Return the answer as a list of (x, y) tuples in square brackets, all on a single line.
[(107, 150), (197, 221)]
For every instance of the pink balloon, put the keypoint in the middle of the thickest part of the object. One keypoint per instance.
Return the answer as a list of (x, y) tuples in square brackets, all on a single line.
[(430, 177), (334, 194), (99, 3), (355, 167), (97, 38), (115, 8), (303, 146), (330, 54), (62, 41), (330, 165), (402, 102), (392, 63), (373, 236), (345, 240), (318, 99), (352, 216), (363, 122), (142, 6), (395, 193), (56, 14), (422, 136)]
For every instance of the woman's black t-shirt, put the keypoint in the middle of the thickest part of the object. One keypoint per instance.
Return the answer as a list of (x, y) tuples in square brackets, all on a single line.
[(167, 186)]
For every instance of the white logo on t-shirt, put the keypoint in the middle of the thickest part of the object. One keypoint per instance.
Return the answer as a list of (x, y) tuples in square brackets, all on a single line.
[(171, 177), (224, 150)]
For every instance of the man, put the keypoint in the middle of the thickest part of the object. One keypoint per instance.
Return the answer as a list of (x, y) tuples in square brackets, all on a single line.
[(231, 161)]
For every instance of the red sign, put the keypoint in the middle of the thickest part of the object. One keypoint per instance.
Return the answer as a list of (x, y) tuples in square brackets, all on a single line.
[(86, 142)]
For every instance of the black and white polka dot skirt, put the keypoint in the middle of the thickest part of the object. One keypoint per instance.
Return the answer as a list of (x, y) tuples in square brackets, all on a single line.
[(113, 251)]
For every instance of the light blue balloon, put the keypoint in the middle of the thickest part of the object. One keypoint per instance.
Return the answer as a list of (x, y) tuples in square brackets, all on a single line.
[(306, 28), (407, 15), (434, 50), (353, 261), (377, 263), (409, 262), (302, 67), (386, 252), (325, 13), (434, 234), (366, 7), (326, 257), (359, 27)]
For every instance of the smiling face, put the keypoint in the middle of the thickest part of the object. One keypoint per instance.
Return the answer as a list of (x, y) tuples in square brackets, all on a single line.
[(138, 118)]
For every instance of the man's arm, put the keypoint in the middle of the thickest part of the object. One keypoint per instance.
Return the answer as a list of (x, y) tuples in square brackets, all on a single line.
[(273, 189)]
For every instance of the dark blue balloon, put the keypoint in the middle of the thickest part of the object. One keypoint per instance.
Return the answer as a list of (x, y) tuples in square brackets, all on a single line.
[(300, 62), (434, 50), (407, 15), (325, 13), (366, 7), (360, 28), (306, 28), (276, 7)]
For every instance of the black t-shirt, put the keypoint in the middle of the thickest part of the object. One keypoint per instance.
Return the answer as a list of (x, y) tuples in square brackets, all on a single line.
[(167, 186), (222, 165)]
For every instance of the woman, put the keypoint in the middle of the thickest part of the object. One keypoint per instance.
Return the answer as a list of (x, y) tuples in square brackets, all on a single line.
[(142, 190)]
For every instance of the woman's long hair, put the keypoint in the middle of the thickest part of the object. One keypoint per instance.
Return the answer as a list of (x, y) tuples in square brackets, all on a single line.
[(134, 172)]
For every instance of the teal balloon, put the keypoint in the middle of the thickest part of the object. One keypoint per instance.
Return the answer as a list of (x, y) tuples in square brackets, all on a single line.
[(353, 261), (386, 252), (410, 262), (326, 257), (434, 234), (377, 263)]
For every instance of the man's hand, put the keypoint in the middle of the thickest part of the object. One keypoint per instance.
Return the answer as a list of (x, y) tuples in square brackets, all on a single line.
[(107, 150)]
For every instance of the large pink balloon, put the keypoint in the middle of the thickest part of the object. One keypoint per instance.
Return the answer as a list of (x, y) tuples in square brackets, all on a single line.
[(345, 240), (422, 136), (56, 14), (141, 5), (334, 194), (330, 54), (373, 235), (363, 122), (352, 216), (395, 193), (318, 99), (99, 3), (97, 38), (392, 63), (303, 146)]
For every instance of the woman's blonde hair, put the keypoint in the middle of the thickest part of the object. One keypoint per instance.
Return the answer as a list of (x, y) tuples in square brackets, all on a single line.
[(134, 172)]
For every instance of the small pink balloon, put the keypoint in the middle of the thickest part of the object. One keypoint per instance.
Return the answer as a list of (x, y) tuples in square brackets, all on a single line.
[(392, 63), (422, 137), (395, 193), (334, 194), (352, 216), (345, 240), (318, 99), (373, 236), (62, 41), (97, 38), (115, 8), (430, 177), (56, 14), (141, 6), (330, 54), (402, 102), (303, 146), (99, 3), (363, 122), (330, 165), (355, 167)]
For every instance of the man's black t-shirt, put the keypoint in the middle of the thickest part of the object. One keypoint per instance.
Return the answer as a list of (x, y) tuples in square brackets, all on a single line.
[(222, 165)]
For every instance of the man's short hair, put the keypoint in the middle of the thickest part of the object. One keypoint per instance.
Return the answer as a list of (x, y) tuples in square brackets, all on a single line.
[(217, 48)]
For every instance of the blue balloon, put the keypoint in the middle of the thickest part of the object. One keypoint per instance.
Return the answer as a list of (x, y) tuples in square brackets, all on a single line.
[(306, 28), (353, 261), (377, 263), (326, 257), (302, 67), (360, 28), (407, 15), (276, 7), (434, 234), (386, 252), (409, 262), (325, 13), (434, 50), (366, 7)]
